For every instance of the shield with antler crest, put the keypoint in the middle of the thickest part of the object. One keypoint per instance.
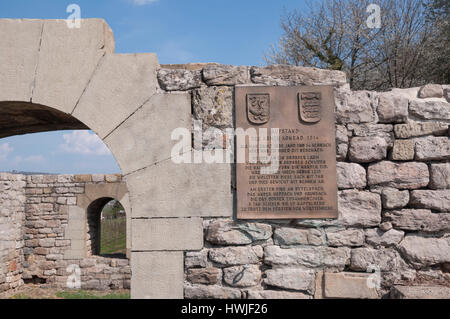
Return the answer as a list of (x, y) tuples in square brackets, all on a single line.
[(258, 108)]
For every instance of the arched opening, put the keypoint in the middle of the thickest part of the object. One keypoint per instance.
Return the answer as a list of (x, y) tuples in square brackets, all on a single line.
[(106, 233)]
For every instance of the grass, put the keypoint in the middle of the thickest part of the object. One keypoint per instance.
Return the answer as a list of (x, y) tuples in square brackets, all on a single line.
[(81, 294), (113, 236)]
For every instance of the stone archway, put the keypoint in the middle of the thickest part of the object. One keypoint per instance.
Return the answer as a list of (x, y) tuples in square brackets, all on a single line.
[(74, 74)]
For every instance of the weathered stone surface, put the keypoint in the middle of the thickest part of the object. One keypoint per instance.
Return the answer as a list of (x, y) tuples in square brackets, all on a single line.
[(425, 251), (134, 143), (432, 148), (384, 131), (123, 83), (447, 94), (392, 108), (440, 176), (345, 237), (367, 149), (291, 278), (415, 129), (403, 150), (341, 142), (418, 220), (211, 292), (17, 75), (430, 110), (231, 256), (431, 90), (403, 176), (195, 190), (179, 79), (214, 106), (357, 208), (227, 232), (194, 259), (286, 75), (350, 175), (432, 199), (355, 106), (167, 234), (206, 276), (242, 276), (276, 294), (335, 258), (219, 74), (377, 237), (348, 285), (74, 53), (285, 237), (420, 292), (363, 259), (157, 275), (392, 198)]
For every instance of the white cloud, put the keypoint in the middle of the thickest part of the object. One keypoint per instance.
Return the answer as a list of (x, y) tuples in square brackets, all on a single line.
[(5, 149), (33, 159), (143, 2), (84, 142)]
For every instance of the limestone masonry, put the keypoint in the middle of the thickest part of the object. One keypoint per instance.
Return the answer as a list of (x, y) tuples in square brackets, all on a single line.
[(392, 237)]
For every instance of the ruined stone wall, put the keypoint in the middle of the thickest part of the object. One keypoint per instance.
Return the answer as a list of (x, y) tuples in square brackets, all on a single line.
[(36, 213), (12, 218), (393, 153)]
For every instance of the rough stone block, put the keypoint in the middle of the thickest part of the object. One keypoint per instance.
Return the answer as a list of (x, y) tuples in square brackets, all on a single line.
[(355, 106), (384, 131), (415, 129), (157, 275), (392, 108), (350, 175), (121, 84), (242, 276), (181, 190), (425, 251), (377, 237), (291, 278), (367, 149), (431, 90), (286, 237), (146, 137), (440, 176), (432, 199), (276, 294), (357, 208), (433, 148), (227, 232), (167, 234), (363, 259), (420, 292), (205, 276), (392, 198), (403, 150), (418, 220), (430, 110), (231, 256), (214, 106), (74, 53), (345, 237), (179, 79), (403, 176), (349, 285), (219, 74), (211, 292)]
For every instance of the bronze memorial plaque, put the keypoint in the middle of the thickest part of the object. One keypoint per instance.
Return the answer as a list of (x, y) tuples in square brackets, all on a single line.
[(285, 152)]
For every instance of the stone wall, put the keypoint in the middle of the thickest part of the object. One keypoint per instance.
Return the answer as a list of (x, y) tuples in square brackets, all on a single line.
[(38, 242), (12, 218), (393, 153)]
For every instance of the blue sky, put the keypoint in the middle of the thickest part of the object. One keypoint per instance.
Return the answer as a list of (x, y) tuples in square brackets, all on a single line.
[(179, 31)]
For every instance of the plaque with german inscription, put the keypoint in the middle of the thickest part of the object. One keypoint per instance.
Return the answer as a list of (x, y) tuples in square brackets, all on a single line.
[(286, 152)]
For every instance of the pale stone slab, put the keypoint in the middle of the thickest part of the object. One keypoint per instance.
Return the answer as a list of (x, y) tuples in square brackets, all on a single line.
[(145, 137), (420, 292), (349, 285), (67, 60), (172, 234), (19, 49), (181, 190), (121, 84), (157, 275)]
